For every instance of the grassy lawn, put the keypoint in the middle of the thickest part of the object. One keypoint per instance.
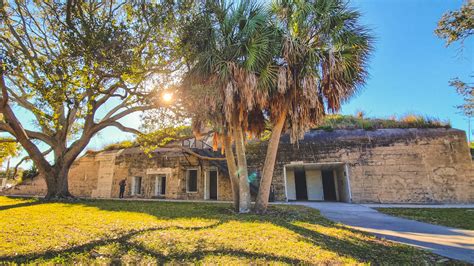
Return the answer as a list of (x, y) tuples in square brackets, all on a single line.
[(102, 231), (457, 218)]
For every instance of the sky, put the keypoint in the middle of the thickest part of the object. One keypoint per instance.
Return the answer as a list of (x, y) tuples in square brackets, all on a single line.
[(409, 69)]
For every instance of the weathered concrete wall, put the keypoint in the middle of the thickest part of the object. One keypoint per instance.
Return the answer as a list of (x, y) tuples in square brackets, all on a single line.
[(388, 165), (83, 176), (82, 180), (133, 162), (32, 187)]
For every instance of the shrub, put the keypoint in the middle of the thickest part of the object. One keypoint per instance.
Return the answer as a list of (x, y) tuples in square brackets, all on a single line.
[(120, 145), (29, 173)]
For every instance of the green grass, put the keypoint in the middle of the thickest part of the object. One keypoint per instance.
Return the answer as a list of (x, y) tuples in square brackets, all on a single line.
[(337, 121), (455, 217), (104, 231)]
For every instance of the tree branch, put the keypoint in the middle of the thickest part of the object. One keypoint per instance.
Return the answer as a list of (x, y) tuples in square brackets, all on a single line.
[(27, 158), (124, 128), (187, 150), (18, 131)]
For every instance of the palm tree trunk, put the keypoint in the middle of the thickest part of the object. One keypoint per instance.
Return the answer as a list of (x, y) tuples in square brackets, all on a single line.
[(267, 175), (234, 180), (244, 188)]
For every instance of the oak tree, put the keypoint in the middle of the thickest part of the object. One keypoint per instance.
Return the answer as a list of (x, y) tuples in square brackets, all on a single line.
[(76, 68)]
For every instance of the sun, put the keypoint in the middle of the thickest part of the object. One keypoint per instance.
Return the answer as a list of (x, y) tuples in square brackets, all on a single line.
[(167, 96)]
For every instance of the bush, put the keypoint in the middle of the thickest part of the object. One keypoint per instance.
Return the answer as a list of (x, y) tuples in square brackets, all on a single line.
[(121, 145), (30, 173)]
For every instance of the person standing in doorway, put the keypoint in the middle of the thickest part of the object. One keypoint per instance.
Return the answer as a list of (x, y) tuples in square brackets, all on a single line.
[(122, 185)]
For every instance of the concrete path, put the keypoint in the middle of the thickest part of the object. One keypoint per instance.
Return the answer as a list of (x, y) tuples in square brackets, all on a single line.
[(445, 241)]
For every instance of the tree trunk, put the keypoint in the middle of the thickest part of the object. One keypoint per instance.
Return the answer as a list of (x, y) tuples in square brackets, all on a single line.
[(267, 174), (57, 183), (234, 180), (244, 188), (7, 172)]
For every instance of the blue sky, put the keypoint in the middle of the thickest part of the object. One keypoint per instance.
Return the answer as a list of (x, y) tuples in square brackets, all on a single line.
[(409, 69)]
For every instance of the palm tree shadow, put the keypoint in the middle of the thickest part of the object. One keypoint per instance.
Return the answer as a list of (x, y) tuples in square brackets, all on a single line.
[(363, 250), (200, 253), (123, 239)]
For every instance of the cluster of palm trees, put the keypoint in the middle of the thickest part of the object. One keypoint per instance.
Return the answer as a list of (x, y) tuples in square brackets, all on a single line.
[(279, 67)]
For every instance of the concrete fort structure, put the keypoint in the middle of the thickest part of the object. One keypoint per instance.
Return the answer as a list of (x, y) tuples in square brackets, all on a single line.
[(359, 166)]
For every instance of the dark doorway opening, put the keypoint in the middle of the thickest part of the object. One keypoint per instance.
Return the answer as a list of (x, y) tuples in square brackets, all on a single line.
[(163, 185), (137, 190), (213, 185), (300, 184), (329, 187)]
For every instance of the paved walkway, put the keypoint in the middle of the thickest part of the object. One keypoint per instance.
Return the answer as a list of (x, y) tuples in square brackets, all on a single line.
[(445, 241)]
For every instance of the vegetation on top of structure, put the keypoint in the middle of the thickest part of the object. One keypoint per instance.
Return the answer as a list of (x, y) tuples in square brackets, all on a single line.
[(159, 138), (30, 173), (120, 145), (152, 140), (337, 121)]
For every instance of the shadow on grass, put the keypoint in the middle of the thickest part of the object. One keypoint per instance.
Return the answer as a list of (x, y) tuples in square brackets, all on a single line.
[(123, 239), (360, 249), (374, 251), (20, 205)]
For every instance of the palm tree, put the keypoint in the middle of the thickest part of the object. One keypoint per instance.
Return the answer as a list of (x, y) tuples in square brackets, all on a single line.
[(322, 63), (229, 50)]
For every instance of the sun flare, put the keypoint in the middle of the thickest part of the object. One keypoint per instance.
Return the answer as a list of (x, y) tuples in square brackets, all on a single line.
[(167, 96)]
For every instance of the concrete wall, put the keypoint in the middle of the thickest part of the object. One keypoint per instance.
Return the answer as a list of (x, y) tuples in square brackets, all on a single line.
[(171, 163), (387, 166)]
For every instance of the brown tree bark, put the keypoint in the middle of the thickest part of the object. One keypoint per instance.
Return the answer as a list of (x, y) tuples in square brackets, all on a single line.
[(57, 184), (232, 167), (267, 174), (244, 187)]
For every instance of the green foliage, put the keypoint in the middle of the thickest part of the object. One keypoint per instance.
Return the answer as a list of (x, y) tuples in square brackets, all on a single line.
[(457, 25), (457, 218), (120, 145), (78, 67), (162, 137), (29, 173), (332, 122), (153, 140), (230, 47), (138, 232), (8, 148), (466, 91), (72, 56), (325, 54)]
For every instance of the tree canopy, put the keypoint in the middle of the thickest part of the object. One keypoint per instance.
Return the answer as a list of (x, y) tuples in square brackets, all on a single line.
[(457, 25), (78, 67)]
